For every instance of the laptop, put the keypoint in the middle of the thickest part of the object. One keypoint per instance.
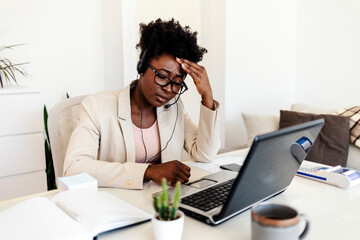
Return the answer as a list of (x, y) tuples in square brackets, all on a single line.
[(268, 169)]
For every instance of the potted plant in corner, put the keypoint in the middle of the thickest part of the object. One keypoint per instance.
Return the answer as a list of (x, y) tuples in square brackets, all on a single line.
[(168, 221), (9, 68)]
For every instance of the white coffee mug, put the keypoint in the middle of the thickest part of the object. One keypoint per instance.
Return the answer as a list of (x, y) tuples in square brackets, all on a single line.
[(275, 221)]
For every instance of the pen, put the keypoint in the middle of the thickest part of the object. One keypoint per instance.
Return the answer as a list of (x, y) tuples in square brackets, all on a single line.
[(68, 212)]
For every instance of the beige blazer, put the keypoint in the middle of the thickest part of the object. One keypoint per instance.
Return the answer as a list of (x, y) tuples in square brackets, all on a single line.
[(103, 142)]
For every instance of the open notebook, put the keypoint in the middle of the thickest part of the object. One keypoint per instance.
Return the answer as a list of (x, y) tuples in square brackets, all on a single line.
[(69, 215)]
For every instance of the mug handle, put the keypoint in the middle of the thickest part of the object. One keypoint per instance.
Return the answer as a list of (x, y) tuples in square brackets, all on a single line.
[(307, 226)]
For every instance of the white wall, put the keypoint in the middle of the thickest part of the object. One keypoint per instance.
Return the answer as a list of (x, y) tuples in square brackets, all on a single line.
[(260, 61), (129, 34), (213, 39), (328, 63), (64, 44), (112, 27)]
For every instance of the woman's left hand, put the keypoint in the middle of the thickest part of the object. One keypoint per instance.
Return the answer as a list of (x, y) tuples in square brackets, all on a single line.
[(201, 81)]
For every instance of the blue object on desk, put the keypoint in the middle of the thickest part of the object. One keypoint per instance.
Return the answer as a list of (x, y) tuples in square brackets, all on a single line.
[(304, 143), (300, 148), (338, 176), (310, 175)]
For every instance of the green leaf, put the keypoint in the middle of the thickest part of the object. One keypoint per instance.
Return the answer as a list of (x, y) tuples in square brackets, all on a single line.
[(172, 214), (11, 46), (5, 75), (21, 70), (8, 67), (46, 115), (50, 173), (1, 80), (176, 202), (155, 203), (162, 213), (165, 199)]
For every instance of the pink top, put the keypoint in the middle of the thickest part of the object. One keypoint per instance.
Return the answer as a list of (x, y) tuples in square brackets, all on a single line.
[(152, 142)]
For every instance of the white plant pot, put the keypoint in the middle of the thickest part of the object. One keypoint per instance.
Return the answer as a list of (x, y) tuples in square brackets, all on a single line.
[(165, 230)]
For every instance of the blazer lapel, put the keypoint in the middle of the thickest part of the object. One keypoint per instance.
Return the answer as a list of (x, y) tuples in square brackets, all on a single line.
[(124, 118)]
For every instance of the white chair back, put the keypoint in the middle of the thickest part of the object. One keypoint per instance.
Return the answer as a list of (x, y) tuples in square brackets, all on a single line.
[(61, 123)]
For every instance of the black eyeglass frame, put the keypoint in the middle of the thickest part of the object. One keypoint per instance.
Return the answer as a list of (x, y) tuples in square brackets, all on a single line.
[(183, 86)]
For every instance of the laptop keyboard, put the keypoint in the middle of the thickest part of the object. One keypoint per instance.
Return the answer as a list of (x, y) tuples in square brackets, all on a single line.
[(209, 198)]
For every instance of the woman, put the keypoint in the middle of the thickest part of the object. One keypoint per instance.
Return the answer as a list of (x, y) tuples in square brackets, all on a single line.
[(126, 137)]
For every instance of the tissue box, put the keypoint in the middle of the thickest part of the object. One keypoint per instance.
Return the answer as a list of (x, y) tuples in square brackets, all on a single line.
[(82, 181)]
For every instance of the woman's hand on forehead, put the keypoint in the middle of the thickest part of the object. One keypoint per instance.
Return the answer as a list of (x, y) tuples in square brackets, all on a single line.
[(201, 80)]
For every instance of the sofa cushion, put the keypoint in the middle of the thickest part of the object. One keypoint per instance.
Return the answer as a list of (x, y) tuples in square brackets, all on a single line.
[(354, 114), (259, 124), (331, 146)]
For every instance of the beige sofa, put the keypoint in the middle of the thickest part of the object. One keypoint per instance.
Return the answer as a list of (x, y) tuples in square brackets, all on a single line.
[(259, 124)]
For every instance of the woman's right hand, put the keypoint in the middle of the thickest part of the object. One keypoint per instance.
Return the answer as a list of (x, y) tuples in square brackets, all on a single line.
[(173, 171)]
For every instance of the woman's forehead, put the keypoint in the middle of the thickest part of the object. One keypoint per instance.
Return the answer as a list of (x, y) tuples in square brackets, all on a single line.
[(167, 63)]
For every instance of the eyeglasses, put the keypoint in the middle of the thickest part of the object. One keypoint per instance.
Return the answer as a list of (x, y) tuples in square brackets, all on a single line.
[(162, 80)]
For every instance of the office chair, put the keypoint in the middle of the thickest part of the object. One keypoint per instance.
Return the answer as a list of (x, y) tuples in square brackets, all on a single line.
[(61, 123)]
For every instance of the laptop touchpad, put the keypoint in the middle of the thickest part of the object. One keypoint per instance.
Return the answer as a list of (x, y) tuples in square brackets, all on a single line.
[(202, 183)]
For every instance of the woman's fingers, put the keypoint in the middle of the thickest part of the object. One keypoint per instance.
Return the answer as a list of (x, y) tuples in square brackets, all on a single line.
[(185, 172), (190, 67), (201, 80), (192, 71), (189, 63), (173, 171), (193, 65), (182, 178), (186, 167)]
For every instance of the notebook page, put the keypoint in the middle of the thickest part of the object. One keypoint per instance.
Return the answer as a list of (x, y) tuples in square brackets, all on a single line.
[(100, 211), (39, 218)]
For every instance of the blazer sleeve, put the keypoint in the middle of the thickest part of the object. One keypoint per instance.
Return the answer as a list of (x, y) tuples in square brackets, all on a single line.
[(82, 154), (203, 142)]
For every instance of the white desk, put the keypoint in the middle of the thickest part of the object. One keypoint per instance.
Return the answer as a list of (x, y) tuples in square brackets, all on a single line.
[(334, 213)]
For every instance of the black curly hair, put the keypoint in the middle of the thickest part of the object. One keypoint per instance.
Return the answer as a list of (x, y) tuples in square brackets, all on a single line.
[(158, 37)]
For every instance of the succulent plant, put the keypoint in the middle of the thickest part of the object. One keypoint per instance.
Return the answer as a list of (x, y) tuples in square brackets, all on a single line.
[(167, 209)]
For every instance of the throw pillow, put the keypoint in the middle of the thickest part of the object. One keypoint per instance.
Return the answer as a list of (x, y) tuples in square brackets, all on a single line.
[(354, 114), (332, 144), (259, 124)]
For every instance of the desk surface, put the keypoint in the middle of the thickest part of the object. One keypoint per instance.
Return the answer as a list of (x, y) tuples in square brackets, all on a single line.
[(334, 213)]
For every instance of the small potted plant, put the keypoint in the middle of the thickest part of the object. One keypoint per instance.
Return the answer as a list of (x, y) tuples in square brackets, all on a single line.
[(168, 221)]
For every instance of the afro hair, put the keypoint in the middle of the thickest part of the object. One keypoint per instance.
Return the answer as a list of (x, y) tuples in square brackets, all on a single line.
[(159, 37)]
